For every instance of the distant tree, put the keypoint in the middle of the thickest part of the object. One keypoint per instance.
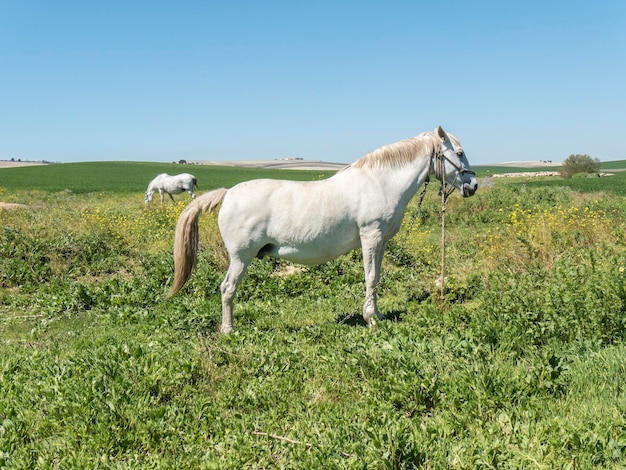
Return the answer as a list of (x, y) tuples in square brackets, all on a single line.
[(182, 162), (577, 163)]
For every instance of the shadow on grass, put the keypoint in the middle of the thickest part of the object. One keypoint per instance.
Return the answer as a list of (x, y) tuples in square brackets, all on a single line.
[(356, 319)]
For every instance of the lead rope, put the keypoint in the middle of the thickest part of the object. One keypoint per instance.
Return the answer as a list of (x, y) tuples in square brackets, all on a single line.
[(444, 201)]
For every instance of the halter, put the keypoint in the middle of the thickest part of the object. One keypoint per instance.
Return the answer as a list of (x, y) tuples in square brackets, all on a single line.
[(439, 160)]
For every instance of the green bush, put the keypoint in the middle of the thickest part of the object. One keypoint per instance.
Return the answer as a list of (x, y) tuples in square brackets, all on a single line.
[(577, 163), (577, 300), (24, 259)]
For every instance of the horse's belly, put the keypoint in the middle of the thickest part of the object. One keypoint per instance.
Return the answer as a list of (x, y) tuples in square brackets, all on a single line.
[(306, 243), (313, 253), (174, 190)]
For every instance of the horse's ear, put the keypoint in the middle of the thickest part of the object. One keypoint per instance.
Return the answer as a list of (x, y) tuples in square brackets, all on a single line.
[(441, 133)]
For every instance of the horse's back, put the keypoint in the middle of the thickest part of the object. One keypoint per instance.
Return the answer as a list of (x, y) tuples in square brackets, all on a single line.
[(185, 179), (158, 178), (280, 197)]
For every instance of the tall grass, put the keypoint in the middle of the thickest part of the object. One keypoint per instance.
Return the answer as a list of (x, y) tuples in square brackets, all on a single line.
[(522, 365)]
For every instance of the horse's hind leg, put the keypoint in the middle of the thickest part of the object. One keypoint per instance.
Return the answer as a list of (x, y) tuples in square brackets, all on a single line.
[(235, 273)]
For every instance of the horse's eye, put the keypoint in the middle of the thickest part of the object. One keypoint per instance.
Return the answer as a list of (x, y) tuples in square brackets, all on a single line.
[(459, 153)]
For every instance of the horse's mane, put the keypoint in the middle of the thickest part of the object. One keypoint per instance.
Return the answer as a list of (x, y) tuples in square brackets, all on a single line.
[(401, 153)]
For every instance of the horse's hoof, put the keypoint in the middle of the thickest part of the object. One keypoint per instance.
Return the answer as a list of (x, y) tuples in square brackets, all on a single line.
[(226, 330), (371, 321)]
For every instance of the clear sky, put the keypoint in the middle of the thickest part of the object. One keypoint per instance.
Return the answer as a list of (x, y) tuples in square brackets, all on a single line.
[(323, 80)]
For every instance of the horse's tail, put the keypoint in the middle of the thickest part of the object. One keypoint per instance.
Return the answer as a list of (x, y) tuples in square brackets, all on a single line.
[(194, 183), (186, 237)]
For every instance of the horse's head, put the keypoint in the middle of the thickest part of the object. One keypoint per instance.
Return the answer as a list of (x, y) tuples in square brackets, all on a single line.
[(452, 162), (147, 197)]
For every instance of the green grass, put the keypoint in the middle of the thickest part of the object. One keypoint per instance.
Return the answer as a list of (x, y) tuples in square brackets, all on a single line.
[(522, 366), (615, 184), (132, 177), (613, 165)]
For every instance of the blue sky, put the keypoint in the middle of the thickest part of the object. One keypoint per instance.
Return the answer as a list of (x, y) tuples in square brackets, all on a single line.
[(323, 80)]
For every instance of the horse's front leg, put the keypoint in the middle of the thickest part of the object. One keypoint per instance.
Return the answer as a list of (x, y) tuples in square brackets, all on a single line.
[(162, 195), (373, 248)]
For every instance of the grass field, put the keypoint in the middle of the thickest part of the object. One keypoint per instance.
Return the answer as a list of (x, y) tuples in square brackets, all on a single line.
[(132, 177), (521, 366)]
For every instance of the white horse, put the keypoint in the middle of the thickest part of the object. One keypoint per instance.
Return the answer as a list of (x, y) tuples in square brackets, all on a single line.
[(169, 185), (314, 222)]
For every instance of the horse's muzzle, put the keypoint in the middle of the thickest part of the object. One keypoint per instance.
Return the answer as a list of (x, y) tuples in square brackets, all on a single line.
[(469, 189)]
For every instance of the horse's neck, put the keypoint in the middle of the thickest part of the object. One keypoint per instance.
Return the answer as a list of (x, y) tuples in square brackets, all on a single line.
[(405, 180), (154, 185), (158, 182)]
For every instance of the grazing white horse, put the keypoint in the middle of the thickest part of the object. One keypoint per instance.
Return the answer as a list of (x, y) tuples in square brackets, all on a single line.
[(169, 185), (314, 222)]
